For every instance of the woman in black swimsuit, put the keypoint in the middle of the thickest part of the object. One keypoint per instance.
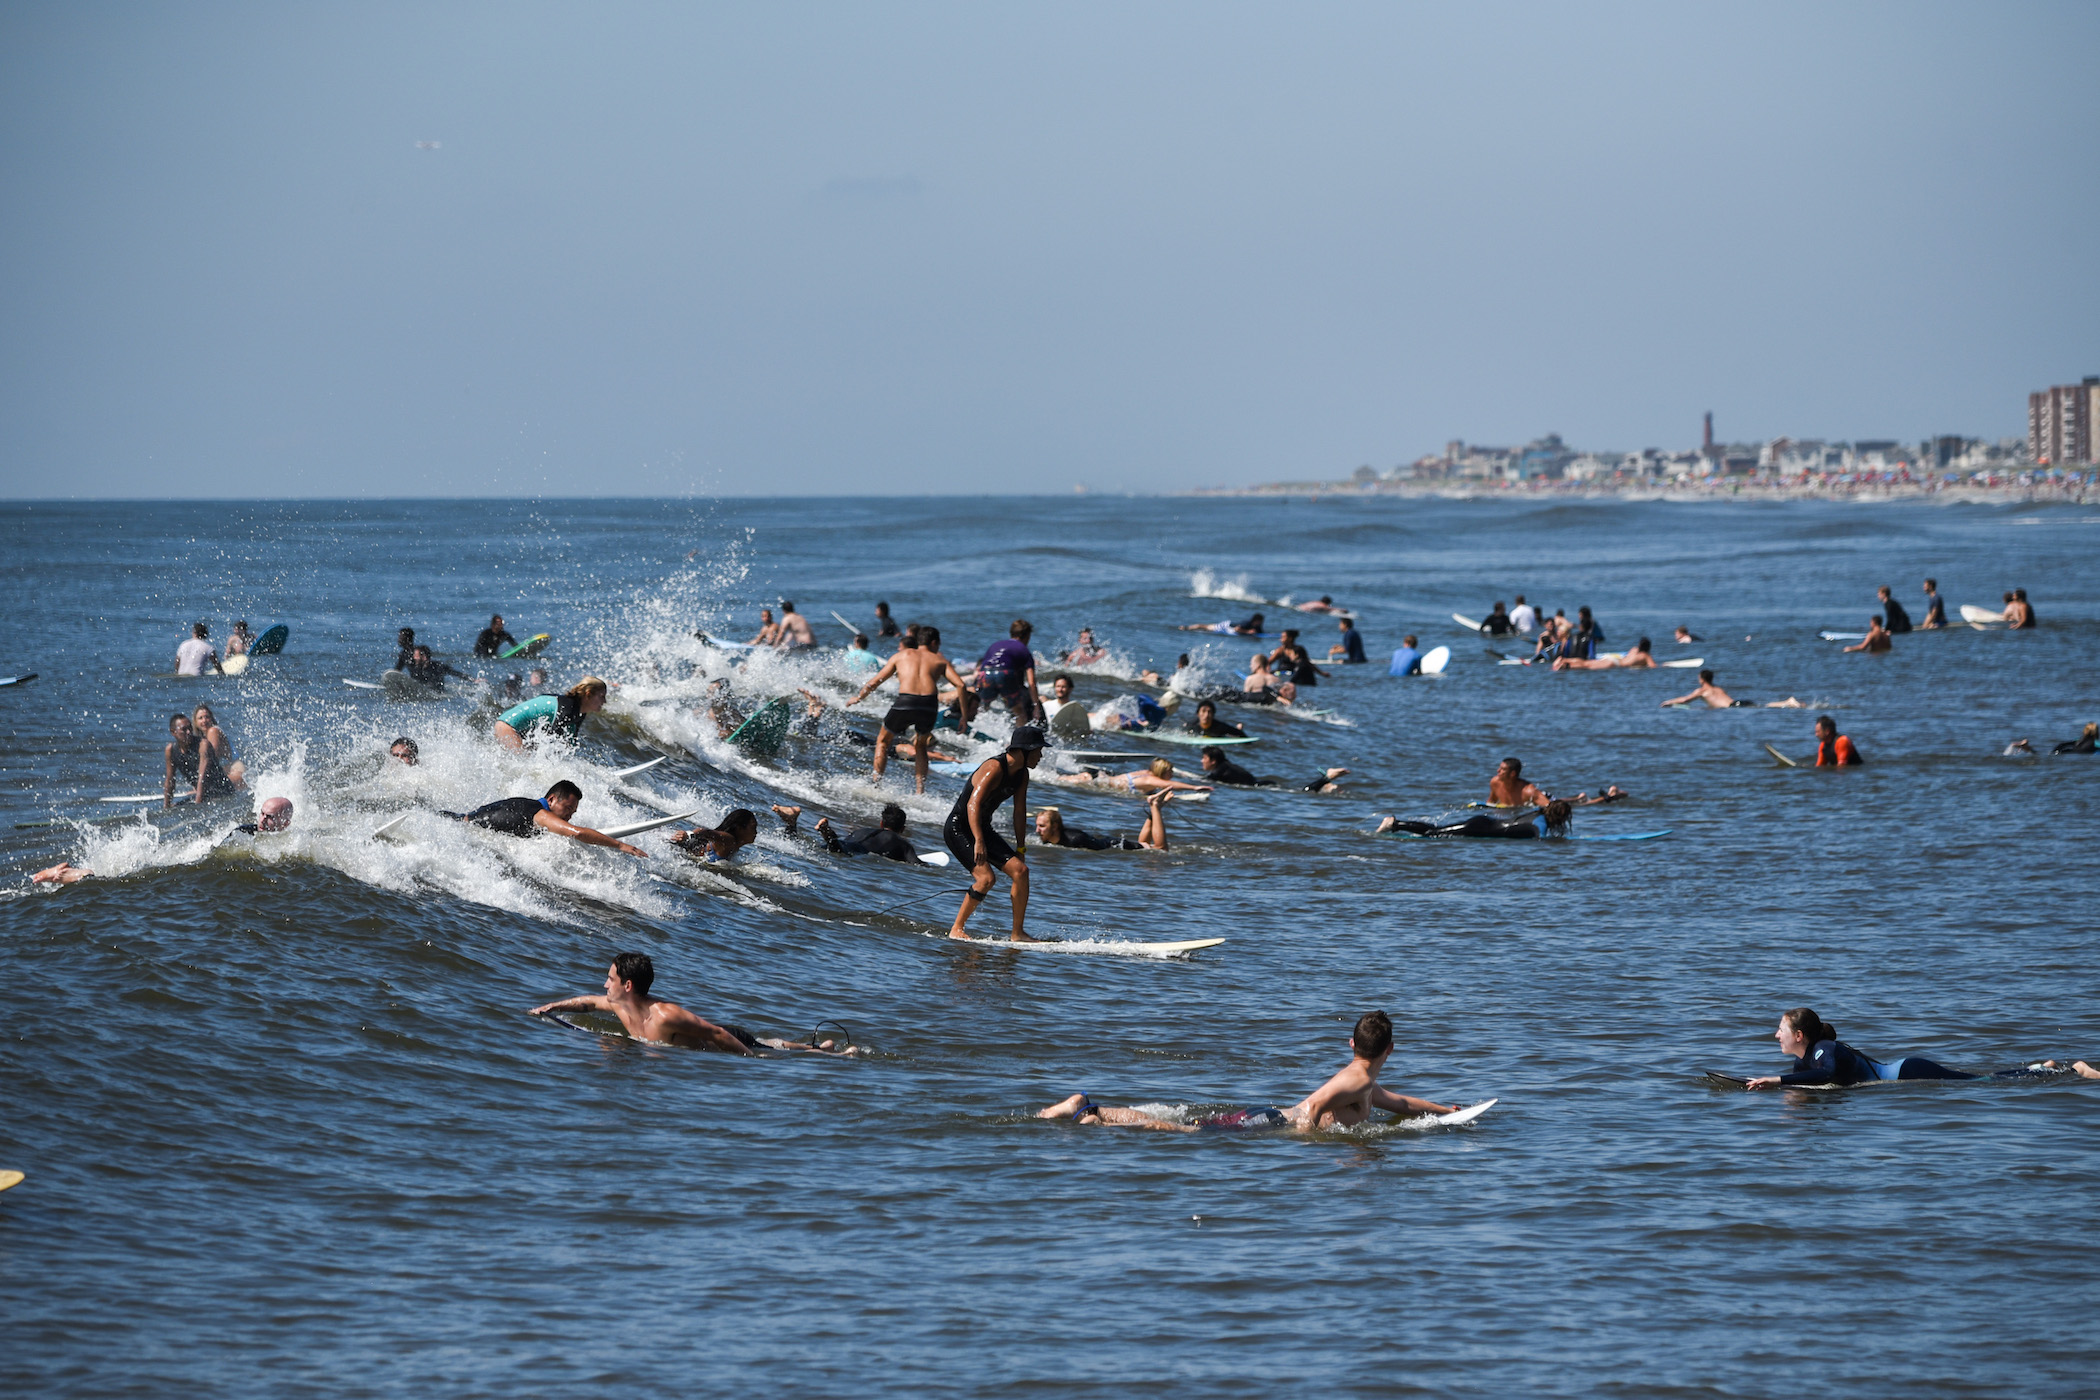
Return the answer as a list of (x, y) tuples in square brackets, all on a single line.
[(193, 762)]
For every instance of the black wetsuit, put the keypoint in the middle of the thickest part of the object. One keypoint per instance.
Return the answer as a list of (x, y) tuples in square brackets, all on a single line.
[(1080, 840), (1353, 647), (1481, 825), (431, 673), (1897, 619), (1225, 771), (1218, 730), (491, 642), (216, 783), (871, 841), (1303, 673), (2082, 744), (513, 816), (887, 627), (1498, 625), (1834, 1062), (957, 831)]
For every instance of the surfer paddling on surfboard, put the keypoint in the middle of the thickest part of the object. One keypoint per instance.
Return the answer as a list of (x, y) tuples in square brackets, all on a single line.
[(1720, 699), (1821, 1058), (1637, 659), (1220, 769), (551, 714), (1158, 776), (1344, 1101), (529, 816), (661, 1022), (737, 829), (273, 816), (970, 836), (919, 668)]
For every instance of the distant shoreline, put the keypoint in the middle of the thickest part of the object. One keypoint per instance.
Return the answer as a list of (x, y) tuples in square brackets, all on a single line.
[(2046, 490)]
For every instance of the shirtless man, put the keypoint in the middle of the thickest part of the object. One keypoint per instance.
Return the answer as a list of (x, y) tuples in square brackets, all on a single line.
[(1343, 1101), (1721, 700), (1325, 604), (1509, 789), (1877, 639), (1087, 652), (919, 669), (661, 1022), (768, 630), (793, 633), (1637, 659)]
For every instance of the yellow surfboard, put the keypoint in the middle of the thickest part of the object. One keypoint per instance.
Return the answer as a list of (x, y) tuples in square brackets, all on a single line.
[(8, 1179)]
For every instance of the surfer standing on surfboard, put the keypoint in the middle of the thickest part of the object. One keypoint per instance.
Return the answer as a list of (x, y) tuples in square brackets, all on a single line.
[(919, 670), (1344, 1101), (970, 836)]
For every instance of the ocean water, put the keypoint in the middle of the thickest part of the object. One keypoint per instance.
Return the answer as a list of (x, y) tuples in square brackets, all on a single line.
[(289, 1130)]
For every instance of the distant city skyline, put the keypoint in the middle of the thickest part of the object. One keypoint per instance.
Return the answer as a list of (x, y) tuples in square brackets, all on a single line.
[(538, 250)]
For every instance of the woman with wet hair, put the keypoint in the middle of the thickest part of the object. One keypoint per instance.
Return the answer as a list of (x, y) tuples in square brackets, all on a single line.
[(1821, 1058)]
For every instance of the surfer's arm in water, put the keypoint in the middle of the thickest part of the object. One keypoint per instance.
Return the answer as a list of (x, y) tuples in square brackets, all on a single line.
[(589, 836), (1406, 1103), (63, 873), (1614, 793)]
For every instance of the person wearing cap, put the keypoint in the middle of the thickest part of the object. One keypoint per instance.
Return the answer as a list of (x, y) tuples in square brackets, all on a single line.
[(970, 836)]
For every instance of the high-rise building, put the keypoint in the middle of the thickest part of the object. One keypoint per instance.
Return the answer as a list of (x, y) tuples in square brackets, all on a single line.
[(2060, 424)]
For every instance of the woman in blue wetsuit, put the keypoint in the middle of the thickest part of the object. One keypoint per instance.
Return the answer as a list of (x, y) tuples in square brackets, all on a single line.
[(1821, 1058), (551, 714)]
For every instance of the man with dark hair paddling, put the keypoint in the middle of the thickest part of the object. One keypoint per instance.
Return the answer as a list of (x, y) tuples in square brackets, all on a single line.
[(970, 836), (886, 839), (661, 1022), (1345, 1100), (529, 816)]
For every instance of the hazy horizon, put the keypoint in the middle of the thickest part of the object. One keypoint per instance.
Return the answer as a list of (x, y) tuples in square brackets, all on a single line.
[(527, 250)]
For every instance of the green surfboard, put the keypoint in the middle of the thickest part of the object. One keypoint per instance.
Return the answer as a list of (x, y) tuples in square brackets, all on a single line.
[(767, 728), (530, 647)]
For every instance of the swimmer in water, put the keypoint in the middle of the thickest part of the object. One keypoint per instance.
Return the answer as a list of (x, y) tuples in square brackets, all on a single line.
[(274, 815), (1639, 658), (1685, 635), (1550, 820), (1207, 723), (210, 736), (1157, 776), (1087, 651), (544, 716), (793, 633), (970, 836), (1509, 788), (661, 1022), (885, 838), (1834, 750), (186, 757), (1345, 1100), (529, 816), (885, 625), (768, 630), (737, 829), (1220, 769), (1821, 1058), (1252, 627), (2019, 613), (1324, 604), (1877, 639), (404, 751), (1050, 830)]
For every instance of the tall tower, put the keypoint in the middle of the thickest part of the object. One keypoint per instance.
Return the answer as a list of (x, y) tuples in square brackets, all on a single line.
[(1708, 446)]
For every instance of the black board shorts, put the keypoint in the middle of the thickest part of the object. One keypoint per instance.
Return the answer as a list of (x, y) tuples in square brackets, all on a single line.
[(957, 834), (912, 712)]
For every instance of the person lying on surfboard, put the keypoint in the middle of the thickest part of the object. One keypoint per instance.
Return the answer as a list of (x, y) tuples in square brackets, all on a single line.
[(1220, 769), (660, 1022), (885, 838), (1157, 776), (274, 815), (1050, 830), (1821, 1058), (1720, 699), (529, 816), (1345, 1100), (1210, 726), (1550, 820), (1252, 627), (1639, 658), (737, 829)]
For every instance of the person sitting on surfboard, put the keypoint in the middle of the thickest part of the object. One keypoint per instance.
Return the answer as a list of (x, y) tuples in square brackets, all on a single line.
[(196, 652), (494, 638), (969, 834), (1407, 661), (793, 633), (426, 670), (885, 838), (2019, 613), (560, 715), (1639, 658), (1877, 639), (1156, 776), (1291, 658), (1935, 609), (1499, 622), (529, 816), (1345, 1100), (1834, 750), (661, 1022), (1550, 820), (1350, 649), (1220, 769), (211, 737), (768, 630), (240, 639), (1898, 619), (186, 757)]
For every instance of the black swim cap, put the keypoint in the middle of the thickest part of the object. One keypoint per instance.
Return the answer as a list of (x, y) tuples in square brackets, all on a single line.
[(1025, 737)]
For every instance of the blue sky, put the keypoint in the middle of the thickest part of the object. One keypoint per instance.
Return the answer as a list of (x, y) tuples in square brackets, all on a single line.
[(869, 249)]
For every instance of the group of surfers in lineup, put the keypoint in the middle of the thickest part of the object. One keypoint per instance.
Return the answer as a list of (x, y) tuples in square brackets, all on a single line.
[(933, 691)]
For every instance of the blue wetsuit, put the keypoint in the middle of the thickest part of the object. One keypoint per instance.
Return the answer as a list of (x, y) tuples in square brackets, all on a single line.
[(1406, 662), (1834, 1062)]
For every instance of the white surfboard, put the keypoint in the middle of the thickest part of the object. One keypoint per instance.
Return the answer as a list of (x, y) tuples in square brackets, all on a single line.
[(1112, 948), (935, 858), (1466, 622), (641, 767), (1435, 660), (1687, 664), (363, 685), (1971, 613), (234, 665), (1842, 636), (1454, 1118), (142, 797), (391, 825), (851, 630), (621, 833)]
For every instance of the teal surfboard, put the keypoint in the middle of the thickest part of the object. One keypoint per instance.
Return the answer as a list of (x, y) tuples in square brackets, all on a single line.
[(767, 728), (270, 642)]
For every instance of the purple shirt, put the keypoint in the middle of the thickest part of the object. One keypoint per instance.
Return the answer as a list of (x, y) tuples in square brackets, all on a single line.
[(1005, 665)]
